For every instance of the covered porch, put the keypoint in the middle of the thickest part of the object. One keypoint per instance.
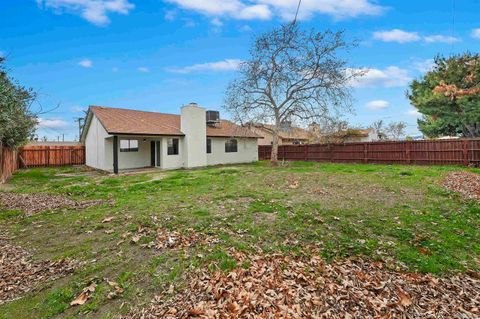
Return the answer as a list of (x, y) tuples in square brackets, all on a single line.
[(133, 152)]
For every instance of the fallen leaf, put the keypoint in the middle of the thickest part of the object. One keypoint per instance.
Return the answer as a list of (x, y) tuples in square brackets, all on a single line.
[(404, 298), (107, 219)]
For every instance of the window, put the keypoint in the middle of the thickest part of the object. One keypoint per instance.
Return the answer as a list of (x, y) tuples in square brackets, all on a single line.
[(172, 144), (209, 145), (231, 146), (128, 146)]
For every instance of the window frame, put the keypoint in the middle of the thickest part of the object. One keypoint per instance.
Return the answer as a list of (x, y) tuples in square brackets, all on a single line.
[(231, 147), (174, 148), (129, 148), (209, 146)]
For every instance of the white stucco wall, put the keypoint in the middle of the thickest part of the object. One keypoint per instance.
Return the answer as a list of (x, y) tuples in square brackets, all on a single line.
[(172, 161), (194, 126), (95, 146), (247, 151)]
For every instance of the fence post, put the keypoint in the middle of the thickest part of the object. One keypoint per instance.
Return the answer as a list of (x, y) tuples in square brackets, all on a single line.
[(305, 152), (365, 153), (465, 152)]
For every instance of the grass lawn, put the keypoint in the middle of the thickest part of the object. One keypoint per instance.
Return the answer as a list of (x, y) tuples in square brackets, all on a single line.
[(399, 214)]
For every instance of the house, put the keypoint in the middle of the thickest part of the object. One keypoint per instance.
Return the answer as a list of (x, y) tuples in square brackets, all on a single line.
[(122, 139), (350, 135), (288, 134)]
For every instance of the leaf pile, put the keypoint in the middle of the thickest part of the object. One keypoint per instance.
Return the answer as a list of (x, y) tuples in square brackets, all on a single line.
[(276, 286), (176, 240), (20, 274), (35, 203), (465, 183)]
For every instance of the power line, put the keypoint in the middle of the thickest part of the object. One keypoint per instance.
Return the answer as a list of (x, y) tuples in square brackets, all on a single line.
[(296, 13)]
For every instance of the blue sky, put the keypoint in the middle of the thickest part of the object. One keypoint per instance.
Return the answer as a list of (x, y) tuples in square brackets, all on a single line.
[(158, 55)]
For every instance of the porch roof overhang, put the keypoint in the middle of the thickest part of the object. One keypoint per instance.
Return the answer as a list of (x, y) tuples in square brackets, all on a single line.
[(142, 134)]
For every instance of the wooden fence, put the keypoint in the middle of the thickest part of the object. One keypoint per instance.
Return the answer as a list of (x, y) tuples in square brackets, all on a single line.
[(34, 156), (441, 152), (8, 163)]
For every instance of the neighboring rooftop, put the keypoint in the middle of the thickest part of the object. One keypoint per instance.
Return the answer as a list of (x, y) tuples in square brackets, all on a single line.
[(134, 122), (290, 132)]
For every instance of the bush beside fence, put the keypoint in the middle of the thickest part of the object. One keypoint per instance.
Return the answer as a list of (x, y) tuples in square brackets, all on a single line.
[(429, 152)]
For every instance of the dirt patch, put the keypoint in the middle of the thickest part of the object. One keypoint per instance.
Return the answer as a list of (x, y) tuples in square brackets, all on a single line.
[(20, 274), (276, 286), (465, 183), (35, 203)]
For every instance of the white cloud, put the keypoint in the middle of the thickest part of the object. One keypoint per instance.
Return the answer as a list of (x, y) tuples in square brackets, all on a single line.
[(413, 112), (52, 123), (339, 9), (225, 65), (391, 76), (143, 69), (396, 35), (438, 38), (401, 36), (94, 11), (246, 28), (265, 9), (230, 8), (378, 104), (476, 33), (86, 63), (217, 22), (424, 66)]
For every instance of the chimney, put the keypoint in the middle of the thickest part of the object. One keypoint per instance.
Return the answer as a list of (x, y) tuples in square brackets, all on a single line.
[(193, 124)]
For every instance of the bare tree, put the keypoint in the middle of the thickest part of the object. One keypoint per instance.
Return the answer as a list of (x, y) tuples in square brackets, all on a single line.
[(292, 75), (391, 131), (396, 130)]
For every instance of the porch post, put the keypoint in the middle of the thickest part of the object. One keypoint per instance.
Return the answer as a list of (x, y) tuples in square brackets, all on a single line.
[(115, 154)]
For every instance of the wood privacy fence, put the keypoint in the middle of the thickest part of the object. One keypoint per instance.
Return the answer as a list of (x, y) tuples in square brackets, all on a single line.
[(441, 152), (34, 156), (8, 163)]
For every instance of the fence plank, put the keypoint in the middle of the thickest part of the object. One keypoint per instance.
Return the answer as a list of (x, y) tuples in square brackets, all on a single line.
[(35, 156), (442, 152)]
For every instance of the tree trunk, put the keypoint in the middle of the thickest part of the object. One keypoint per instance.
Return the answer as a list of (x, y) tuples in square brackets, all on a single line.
[(274, 154)]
